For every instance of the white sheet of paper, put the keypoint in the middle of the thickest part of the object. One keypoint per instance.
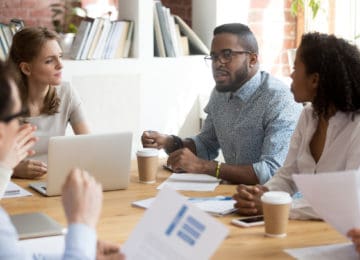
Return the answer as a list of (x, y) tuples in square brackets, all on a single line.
[(212, 206), (344, 251), (190, 182), (14, 191), (44, 245), (172, 228), (334, 196)]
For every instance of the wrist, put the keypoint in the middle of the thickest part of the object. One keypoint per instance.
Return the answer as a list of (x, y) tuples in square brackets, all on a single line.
[(174, 143)]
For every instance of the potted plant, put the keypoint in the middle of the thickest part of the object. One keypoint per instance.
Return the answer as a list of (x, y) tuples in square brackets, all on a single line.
[(66, 16)]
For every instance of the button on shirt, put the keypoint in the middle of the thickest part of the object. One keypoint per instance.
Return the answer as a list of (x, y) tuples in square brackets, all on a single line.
[(251, 126)]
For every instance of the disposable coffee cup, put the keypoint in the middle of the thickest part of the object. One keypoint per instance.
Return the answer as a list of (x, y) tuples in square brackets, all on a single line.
[(276, 207), (147, 159)]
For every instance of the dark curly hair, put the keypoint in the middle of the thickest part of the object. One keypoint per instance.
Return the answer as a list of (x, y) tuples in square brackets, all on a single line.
[(338, 64), (26, 46)]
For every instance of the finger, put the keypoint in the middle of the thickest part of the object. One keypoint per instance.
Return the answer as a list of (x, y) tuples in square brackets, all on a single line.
[(247, 211), (38, 169), (38, 163)]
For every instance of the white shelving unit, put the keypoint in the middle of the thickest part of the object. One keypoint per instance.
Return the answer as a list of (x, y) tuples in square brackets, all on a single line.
[(144, 92)]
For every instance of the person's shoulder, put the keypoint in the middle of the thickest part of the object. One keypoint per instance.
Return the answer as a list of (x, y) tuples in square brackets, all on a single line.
[(273, 84)]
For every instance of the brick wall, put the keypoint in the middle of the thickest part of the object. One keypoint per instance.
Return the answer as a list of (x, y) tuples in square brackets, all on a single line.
[(272, 46)]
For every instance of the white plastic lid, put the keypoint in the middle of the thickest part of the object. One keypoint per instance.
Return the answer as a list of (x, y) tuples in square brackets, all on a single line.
[(148, 152), (276, 197)]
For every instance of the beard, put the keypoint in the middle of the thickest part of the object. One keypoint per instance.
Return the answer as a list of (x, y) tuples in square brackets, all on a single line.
[(241, 76)]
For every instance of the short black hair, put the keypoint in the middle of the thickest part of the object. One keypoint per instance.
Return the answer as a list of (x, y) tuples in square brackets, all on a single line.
[(338, 64), (6, 101), (243, 32)]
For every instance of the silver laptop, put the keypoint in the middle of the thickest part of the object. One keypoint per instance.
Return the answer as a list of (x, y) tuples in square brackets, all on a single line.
[(107, 157)]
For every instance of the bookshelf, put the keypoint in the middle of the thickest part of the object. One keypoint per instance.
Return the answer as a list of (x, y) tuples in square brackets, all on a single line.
[(142, 92)]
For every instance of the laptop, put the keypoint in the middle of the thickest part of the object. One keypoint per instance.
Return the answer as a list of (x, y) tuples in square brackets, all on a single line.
[(37, 224), (107, 157)]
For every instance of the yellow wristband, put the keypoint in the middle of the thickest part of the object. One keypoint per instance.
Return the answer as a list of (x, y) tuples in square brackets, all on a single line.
[(217, 172)]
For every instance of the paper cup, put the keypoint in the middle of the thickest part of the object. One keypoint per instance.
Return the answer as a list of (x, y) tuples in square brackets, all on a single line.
[(276, 208), (148, 162)]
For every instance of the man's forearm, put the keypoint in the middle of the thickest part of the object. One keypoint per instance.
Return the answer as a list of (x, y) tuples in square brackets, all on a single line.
[(237, 174)]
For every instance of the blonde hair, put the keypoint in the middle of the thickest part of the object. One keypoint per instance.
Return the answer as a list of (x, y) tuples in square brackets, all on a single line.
[(26, 46)]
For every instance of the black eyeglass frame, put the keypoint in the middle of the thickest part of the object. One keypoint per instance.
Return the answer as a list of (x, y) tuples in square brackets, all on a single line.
[(9, 118), (220, 57)]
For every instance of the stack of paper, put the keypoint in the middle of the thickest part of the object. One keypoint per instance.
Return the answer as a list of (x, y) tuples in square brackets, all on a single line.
[(218, 206), (191, 182)]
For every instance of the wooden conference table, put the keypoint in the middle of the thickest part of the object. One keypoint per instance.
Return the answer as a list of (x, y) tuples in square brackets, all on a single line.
[(119, 218)]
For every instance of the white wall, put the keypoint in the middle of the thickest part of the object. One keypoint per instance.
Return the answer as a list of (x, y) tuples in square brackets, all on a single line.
[(137, 94)]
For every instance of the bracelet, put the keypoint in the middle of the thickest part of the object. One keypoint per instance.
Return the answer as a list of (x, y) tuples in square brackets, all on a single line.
[(217, 171), (177, 144)]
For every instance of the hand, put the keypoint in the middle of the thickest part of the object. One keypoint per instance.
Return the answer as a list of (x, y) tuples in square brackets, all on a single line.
[(82, 198), (21, 148), (248, 199), (184, 160), (153, 139), (107, 250), (30, 169), (354, 234)]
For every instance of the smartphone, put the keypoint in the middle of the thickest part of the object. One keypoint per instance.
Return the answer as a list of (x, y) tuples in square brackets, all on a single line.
[(249, 221)]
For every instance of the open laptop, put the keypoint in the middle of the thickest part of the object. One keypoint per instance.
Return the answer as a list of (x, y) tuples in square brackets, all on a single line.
[(107, 157)]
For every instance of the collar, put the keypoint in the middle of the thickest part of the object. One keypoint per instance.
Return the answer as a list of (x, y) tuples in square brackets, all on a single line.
[(248, 88)]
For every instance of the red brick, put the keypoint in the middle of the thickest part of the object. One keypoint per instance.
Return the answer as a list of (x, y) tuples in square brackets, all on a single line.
[(259, 3)]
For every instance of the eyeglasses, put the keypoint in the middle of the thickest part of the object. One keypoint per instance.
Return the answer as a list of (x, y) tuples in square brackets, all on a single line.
[(7, 119), (225, 56)]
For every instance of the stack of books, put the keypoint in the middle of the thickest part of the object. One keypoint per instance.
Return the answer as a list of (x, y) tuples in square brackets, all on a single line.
[(7, 32), (173, 37), (101, 38)]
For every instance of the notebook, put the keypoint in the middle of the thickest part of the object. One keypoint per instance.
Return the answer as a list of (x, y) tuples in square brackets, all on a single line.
[(32, 225), (107, 157)]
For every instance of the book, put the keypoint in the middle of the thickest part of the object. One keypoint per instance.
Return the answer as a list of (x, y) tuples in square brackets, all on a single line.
[(89, 40), (128, 41), (195, 43), (80, 39), (102, 40), (31, 225), (158, 39), (95, 39), (169, 48), (118, 52)]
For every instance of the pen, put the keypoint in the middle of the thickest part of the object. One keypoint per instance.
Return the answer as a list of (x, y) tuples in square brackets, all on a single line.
[(217, 198)]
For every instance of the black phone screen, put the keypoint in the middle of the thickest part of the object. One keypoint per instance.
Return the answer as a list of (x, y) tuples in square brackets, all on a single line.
[(252, 219)]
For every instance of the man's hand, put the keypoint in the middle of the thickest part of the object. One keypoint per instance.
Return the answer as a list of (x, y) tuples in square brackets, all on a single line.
[(21, 148), (153, 139), (354, 234), (108, 251), (184, 160), (82, 198), (30, 169), (248, 199)]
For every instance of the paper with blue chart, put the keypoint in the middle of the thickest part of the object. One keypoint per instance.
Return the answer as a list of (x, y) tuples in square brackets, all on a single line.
[(173, 228)]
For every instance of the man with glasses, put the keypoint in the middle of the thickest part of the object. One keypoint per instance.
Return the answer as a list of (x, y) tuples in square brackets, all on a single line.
[(250, 116)]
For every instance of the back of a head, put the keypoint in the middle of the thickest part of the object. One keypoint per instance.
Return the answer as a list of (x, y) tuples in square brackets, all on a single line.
[(5, 90), (243, 32), (338, 64)]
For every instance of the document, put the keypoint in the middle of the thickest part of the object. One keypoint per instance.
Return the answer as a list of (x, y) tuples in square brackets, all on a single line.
[(344, 251), (217, 206), (190, 182), (334, 196), (173, 228), (45, 245), (14, 191)]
